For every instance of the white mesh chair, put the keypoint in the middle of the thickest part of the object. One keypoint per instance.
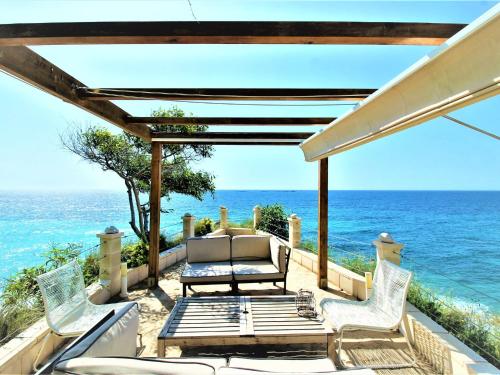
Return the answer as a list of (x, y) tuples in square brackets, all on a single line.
[(68, 310), (383, 311)]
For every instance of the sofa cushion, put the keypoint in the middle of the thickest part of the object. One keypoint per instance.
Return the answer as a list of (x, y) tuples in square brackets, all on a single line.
[(278, 253), (208, 249), (250, 247), (207, 272), (291, 365), (238, 371), (245, 270), (123, 365)]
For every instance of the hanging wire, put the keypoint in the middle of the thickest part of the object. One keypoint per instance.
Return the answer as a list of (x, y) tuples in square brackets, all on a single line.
[(192, 11), (447, 277), (472, 127)]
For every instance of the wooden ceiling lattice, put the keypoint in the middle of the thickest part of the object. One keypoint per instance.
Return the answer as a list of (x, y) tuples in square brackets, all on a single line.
[(23, 63)]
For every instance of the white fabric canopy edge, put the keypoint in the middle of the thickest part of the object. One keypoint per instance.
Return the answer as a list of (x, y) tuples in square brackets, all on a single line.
[(462, 71)]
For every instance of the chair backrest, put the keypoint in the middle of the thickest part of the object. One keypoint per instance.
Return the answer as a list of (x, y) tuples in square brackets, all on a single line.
[(390, 288), (63, 293)]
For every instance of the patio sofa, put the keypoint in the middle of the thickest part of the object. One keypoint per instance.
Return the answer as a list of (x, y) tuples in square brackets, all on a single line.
[(110, 348), (240, 259)]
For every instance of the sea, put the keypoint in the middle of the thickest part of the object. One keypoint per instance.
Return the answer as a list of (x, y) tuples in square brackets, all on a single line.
[(451, 238)]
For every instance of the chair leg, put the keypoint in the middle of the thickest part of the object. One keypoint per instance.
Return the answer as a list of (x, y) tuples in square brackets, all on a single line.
[(284, 287), (274, 283), (184, 291), (37, 358)]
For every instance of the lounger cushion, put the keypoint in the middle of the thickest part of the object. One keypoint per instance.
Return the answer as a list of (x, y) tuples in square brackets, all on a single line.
[(278, 253), (246, 270), (238, 371), (250, 247), (290, 365), (207, 272), (117, 365), (208, 249)]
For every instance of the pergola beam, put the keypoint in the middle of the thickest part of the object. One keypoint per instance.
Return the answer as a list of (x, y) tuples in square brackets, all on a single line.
[(338, 94), (32, 68), (232, 138), (233, 121), (224, 32)]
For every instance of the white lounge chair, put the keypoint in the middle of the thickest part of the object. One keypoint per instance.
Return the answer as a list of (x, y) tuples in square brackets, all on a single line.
[(383, 311), (68, 310)]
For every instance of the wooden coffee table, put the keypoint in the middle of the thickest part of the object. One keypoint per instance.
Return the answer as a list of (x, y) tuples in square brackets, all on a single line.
[(241, 320)]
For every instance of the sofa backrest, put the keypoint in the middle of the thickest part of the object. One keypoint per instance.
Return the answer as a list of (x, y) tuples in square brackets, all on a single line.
[(250, 247), (208, 249)]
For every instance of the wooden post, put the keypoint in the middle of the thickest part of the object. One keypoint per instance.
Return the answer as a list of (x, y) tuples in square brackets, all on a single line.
[(323, 223), (155, 203)]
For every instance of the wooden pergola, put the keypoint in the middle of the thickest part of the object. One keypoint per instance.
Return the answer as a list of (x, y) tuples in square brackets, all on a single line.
[(18, 60)]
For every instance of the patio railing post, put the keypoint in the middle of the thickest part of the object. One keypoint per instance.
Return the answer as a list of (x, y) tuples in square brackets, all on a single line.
[(294, 230), (257, 214), (388, 249), (223, 217), (187, 226), (110, 260)]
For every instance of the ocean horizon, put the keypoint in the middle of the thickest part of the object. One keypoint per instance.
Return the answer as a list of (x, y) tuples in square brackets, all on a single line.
[(451, 237)]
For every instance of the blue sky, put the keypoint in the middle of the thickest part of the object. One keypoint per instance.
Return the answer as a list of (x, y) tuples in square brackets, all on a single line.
[(436, 155)]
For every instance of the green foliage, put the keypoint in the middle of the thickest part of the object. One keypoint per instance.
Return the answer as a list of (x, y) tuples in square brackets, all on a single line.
[(169, 243), (248, 223), (135, 253), (476, 329), (204, 226), (129, 157), (274, 220), (309, 245)]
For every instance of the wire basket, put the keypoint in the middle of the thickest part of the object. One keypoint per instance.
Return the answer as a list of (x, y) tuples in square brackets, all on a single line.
[(305, 303)]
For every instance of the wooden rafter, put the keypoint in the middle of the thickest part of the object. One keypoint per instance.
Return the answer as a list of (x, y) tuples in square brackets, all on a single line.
[(233, 121), (232, 138), (223, 32), (224, 94), (32, 68)]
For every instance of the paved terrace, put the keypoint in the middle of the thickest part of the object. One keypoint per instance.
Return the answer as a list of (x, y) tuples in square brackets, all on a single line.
[(369, 347)]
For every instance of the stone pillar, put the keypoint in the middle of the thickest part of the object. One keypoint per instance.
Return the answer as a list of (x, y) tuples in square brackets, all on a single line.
[(257, 214), (388, 249), (294, 230), (187, 226), (110, 259), (223, 217)]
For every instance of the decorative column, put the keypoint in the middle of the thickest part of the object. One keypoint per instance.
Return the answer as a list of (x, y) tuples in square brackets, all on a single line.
[(388, 249), (294, 230), (187, 226), (223, 217), (257, 214), (110, 259)]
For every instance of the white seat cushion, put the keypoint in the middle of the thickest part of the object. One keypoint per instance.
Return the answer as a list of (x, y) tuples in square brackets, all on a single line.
[(290, 365), (208, 249), (207, 272), (117, 365), (238, 371), (245, 270), (250, 247)]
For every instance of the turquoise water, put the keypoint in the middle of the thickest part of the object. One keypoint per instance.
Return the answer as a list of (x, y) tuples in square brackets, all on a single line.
[(452, 239)]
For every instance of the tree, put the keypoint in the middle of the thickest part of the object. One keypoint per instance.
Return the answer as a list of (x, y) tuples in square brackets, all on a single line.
[(130, 158)]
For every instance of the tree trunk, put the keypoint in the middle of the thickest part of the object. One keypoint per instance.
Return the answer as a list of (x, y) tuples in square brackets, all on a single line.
[(132, 210), (140, 213)]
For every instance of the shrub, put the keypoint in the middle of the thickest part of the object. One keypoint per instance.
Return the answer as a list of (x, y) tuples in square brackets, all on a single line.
[(204, 226), (135, 254), (274, 220)]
